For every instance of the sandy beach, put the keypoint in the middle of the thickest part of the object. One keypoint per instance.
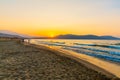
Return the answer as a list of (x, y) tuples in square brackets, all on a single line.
[(28, 62)]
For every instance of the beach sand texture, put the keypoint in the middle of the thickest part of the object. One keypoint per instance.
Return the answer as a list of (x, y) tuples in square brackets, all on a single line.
[(24, 62)]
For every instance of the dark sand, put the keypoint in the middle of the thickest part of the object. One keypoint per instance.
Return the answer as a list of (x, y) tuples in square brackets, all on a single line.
[(24, 62)]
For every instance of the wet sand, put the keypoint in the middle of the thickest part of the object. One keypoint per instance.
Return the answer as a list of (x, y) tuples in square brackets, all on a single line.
[(27, 62)]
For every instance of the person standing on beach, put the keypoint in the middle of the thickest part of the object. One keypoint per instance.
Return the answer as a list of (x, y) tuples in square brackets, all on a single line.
[(28, 40), (22, 40)]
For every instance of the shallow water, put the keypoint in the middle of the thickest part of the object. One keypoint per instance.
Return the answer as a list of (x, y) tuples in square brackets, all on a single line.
[(103, 49)]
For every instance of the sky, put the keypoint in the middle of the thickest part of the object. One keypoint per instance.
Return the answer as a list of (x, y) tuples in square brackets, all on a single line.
[(54, 17)]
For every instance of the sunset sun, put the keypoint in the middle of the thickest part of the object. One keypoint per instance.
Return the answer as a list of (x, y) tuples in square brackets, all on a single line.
[(52, 35), (60, 39)]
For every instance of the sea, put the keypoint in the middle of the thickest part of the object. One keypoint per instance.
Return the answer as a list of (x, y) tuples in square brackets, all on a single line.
[(108, 50)]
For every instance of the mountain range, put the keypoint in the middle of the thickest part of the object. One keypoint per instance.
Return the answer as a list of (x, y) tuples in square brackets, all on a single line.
[(10, 34), (71, 36)]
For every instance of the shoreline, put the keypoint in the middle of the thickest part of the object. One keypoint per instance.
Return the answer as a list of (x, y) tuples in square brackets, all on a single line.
[(33, 62), (77, 58)]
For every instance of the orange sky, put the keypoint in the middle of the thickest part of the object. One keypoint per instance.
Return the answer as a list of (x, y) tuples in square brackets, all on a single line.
[(54, 17)]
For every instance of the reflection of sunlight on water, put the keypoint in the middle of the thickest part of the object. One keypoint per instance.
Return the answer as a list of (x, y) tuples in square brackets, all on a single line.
[(102, 49), (96, 48)]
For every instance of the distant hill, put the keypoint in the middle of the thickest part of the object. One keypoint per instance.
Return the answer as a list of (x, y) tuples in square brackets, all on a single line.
[(71, 36), (10, 34), (109, 37), (7, 35)]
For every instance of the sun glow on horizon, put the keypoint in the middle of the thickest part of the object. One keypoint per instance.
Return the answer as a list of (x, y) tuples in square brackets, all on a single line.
[(52, 35), (50, 18)]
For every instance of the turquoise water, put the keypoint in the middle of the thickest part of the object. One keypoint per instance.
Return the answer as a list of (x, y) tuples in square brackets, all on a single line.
[(103, 49)]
